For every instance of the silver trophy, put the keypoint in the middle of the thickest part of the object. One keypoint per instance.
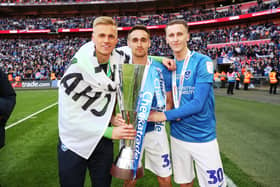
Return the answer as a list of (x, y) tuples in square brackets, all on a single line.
[(130, 78)]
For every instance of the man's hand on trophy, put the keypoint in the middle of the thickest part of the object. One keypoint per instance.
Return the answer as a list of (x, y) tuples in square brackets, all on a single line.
[(170, 64), (124, 132), (117, 120), (156, 116)]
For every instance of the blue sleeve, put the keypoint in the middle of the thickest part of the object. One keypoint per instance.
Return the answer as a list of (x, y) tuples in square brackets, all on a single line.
[(205, 70), (165, 72), (194, 106)]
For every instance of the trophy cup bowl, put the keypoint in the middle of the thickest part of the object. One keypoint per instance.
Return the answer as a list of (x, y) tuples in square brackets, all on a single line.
[(130, 78)]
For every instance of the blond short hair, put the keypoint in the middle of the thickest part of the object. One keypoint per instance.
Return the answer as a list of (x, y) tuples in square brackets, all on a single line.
[(106, 20)]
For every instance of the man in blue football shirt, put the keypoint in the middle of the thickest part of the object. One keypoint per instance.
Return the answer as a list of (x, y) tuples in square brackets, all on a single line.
[(193, 122)]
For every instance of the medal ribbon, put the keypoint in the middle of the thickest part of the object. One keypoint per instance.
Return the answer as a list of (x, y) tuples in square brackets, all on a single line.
[(177, 92)]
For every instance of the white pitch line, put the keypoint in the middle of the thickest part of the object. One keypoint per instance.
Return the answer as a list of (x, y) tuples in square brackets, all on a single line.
[(230, 183), (31, 115)]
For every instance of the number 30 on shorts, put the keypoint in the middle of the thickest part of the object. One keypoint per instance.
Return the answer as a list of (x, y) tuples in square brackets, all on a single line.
[(215, 176)]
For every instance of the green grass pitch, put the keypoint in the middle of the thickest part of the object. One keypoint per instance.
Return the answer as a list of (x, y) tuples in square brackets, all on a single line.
[(248, 135)]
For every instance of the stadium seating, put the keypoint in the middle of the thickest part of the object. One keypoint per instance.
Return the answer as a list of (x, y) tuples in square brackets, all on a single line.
[(255, 45), (190, 15)]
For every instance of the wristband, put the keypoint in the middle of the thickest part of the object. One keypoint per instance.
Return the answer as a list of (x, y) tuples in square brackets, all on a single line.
[(108, 132)]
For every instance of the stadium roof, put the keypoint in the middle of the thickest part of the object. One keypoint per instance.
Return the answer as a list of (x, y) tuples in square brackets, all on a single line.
[(117, 7)]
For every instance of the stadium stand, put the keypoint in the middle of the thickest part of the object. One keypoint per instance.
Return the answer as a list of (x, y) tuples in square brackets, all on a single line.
[(190, 15), (246, 43)]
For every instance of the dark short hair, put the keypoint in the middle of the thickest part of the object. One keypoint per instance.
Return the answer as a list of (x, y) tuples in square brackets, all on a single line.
[(177, 21), (139, 27)]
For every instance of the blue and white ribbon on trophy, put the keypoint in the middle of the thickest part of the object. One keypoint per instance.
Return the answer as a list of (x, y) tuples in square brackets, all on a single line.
[(160, 95), (148, 89)]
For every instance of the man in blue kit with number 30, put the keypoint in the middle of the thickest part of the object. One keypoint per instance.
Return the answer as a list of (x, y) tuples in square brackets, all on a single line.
[(193, 122)]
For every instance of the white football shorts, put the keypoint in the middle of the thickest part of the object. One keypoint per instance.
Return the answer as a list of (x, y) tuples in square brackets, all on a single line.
[(205, 156), (157, 152)]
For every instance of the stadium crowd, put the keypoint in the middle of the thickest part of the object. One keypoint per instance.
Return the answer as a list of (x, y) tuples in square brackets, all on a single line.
[(37, 58), (190, 15), (240, 33)]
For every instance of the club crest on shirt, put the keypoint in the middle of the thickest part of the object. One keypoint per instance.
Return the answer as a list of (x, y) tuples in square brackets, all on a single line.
[(187, 74), (210, 67)]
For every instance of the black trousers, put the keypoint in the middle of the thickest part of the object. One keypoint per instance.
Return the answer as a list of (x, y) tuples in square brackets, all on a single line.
[(223, 84), (230, 88), (72, 167), (237, 85), (273, 88), (246, 86), (2, 136)]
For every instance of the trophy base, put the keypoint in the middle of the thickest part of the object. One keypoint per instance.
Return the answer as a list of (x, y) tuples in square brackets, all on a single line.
[(126, 174)]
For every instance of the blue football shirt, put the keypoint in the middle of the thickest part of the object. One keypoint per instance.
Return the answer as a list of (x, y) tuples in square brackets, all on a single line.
[(201, 126)]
